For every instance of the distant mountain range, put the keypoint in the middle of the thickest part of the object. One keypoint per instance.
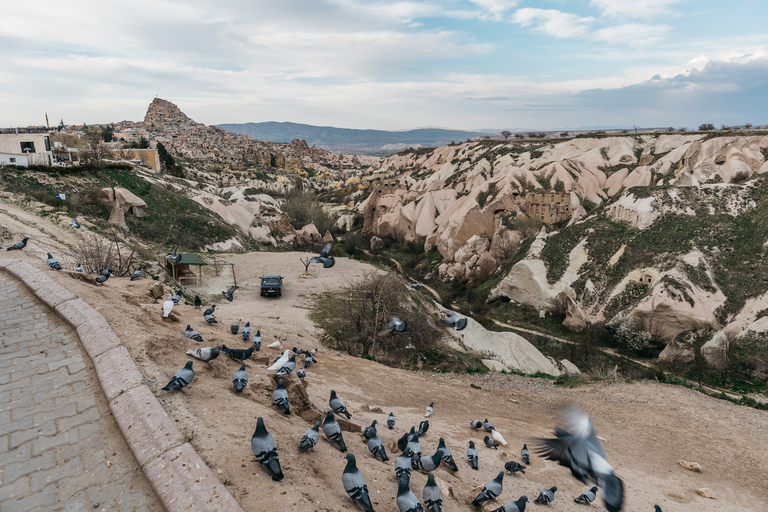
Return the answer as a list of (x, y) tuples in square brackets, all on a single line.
[(350, 140)]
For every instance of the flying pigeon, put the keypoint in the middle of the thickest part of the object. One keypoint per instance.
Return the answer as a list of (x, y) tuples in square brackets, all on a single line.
[(301, 373), (514, 466), (490, 443), (310, 438), (445, 455), (472, 455), (453, 320), (74, 223), (498, 437), (265, 451), (181, 378), (257, 340), (53, 262), (332, 431), (337, 405), (433, 496), (429, 463), (237, 354), (423, 427), (403, 466), (526, 455), (192, 334), (210, 311), (394, 324), (79, 268), (287, 368), (198, 302), (275, 344), (354, 484), (414, 446), (370, 431), (209, 319), (228, 294), (240, 379), (477, 425), (546, 496), (245, 332), (298, 351), (514, 506), (234, 327), (136, 274), (580, 451), (325, 256), (487, 426), (280, 361), (308, 359), (491, 490), (407, 500), (19, 245), (280, 397), (173, 252), (176, 298), (391, 421), (376, 447), (167, 305), (587, 496), (430, 410), (101, 279), (206, 354)]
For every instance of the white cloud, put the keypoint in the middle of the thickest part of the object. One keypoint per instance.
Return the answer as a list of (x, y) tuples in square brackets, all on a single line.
[(553, 22), (634, 8), (495, 8), (632, 34)]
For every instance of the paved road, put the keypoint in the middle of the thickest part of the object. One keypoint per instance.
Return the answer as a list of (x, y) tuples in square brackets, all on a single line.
[(60, 449)]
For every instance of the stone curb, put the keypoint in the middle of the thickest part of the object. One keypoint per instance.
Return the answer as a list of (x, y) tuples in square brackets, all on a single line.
[(179, 477)]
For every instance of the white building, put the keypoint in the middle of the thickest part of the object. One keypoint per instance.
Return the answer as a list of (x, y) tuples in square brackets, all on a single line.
[(25, 149)]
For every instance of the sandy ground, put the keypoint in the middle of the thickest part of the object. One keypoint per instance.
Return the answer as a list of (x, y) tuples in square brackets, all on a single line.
[(648, 427)]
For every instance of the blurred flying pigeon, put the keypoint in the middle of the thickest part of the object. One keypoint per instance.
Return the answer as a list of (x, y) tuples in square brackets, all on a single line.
[(210, 311), (240, 379), (391, 421), (580, 451), (445, 455), (433, 496), (192, 334), (498, 437), (53, 262), (19, 245), (234, 327), (526, 455), (280, 361), (136, 274), (310, 438), (407, 500), (181, 378), (173, 252), (472, 455), (206, 354), (453, 320), (264, 449), (587, 496), (101, 279), (308, 359), (237, 354), (423, 427), (414, 446), (167, 305), (491, 490), (210, 319), (430, 410), (354, 483), (280, 397), (287, 368), (546, 496), (514, 466), (325, 256), (394, 324), (74, 223), (198, 302), (429, 463), (403, 466), (298, 351), (477, 425), (257, 340), (487, 426), (245, 332), (228, 294), (301, 373), (514, 506), (490, 442), (370, 431), (275, 344), (376, 447), (176, 298), (337, 405), (332, 432), (79, 268)]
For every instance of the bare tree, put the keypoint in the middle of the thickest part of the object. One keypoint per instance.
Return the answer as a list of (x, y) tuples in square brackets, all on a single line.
[(94, 252), (506, 134)]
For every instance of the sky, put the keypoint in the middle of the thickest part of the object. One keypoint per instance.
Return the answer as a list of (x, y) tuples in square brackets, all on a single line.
[(389, 64)]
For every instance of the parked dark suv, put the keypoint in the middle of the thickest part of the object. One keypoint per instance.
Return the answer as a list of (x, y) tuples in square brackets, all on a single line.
[(271, 285)]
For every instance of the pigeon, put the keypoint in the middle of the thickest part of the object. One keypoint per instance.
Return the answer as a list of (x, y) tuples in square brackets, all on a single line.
[(416, 451), (403, 441), (101, 279), (209, 319), (167, 305), (376, 447), (453, 320), (257, 340), (237, 354), (487, 426), (445, 455), (206, 354), (370, 431), (79, 268), (240, 379), (275, 344), (313, 352), (430, 410), (229, 293), (234, 327), (423, 427), (287, 368), (298, 351), (391, 421), (181, 378), (332, 431), (192, 334), (280, 397), (514, 466), (19, 245), (429, 463), (657, 508), (433, 496), (173, 252), (301, 373), (308, 359), (581, 452), (74, 223), (325, 256), (136, 274), (280, 362), (176, 298), (514, 506), (354, 483), (491, 490), (310, 438), (472, 455), (475, 424), (403, 466), (53, 262), (106, 272), (337, 405), (407, 500), (498, 437), (526, 455), (210, 311), (394, 324), (490, 443), (546, 496), (245, 332), (198, 302), (587, 496), (265, 451)]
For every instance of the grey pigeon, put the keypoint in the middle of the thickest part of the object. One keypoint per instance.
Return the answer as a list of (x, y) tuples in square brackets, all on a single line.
[(53, 262), (264, 449), (587, 496), (198, 302), (210, 311), (526, 455), (391, 421), (453, 320), (136, 274), (491, 490), (313, 352), (310, 438), (433, 496), (514, 506), (74, 223), (19, 245), (301, 373), (332, 431), (376, 447), (546, 496), (472, 455), (192, 334), (423, 427), (490, 442), (370, 431), (176, 298), (657, 508), (280, 397), (245, 332), (106, 272), (257, 340), (354, 483), (206, 354), (514, 466), (430, 409), (487, 426), (407, 500), (477, 425), (240, 379), (209, 319), (181, 378), (101, 279), (229, 293), (237, 354), (337, 405), (403, 466), (403, 441), (79, 268), (415, 447), (287, 368), (325, 256), (445, 455), (581, 452), (234, 327), (429, 463), (173, 252), (394, 324), (297, 351), (308, 359)]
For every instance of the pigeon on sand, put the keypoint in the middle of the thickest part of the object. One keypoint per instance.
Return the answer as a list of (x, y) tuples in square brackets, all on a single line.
[(206, 354), (264, 449), (181, 378), (240, 379), (354, 483), (310, 438), (337, 405), (491, 490), (332, 432)]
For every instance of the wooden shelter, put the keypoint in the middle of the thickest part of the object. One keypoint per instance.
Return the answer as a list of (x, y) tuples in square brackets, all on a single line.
[(182, 271)]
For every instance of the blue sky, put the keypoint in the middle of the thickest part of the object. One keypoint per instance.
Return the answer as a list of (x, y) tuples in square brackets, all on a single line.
[(463, 64)]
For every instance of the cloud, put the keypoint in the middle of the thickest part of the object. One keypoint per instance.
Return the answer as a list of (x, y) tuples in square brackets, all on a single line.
[(552, 22), (634, 8), (495, 8), (632, 34)]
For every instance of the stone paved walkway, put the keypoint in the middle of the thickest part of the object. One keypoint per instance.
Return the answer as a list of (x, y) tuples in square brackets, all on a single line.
[(60, 449)]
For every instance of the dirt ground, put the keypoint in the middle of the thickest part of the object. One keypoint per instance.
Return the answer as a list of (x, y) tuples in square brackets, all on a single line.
[(648, 427)]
